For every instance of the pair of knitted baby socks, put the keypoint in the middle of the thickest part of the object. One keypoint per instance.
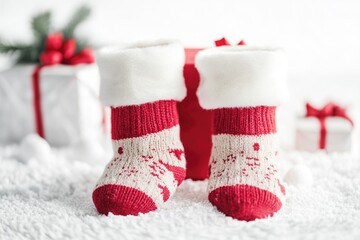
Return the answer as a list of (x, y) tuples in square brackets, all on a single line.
[(241, 85)]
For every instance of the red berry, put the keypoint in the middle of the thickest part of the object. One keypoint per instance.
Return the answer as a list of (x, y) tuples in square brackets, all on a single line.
[(50, 57), (54, 42)]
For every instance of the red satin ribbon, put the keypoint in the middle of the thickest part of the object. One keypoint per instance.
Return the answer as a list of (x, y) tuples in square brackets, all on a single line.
[(37, 102), (57, 51), (329, 110), (224, 42)]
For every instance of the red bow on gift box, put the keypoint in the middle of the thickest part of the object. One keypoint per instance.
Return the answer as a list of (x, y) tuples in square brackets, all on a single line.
[(57, 51), (329, 110), (224, 42)]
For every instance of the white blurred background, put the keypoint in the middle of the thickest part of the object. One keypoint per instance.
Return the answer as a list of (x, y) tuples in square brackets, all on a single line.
[(322, 37)]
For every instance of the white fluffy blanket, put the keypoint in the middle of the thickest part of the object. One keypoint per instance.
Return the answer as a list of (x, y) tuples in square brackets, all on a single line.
[(52, 200)]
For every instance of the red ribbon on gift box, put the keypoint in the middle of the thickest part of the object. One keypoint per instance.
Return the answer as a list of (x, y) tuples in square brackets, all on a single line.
[(57, 51), (329, 110)]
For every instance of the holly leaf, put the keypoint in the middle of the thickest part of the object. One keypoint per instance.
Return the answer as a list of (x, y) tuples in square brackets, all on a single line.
[(41, 25), (11, 48), (80, 44), (25, 53), (28, 55), (78, 17)]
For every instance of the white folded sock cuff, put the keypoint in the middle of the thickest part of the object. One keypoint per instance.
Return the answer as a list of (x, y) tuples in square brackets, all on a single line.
[(241, 76), (141, 73)]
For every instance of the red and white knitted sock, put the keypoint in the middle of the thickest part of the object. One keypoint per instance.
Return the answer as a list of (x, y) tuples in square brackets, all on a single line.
[(242, 85), (141, 83)]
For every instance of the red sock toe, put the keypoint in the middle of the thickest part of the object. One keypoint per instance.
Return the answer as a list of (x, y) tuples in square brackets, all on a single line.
[(122, 200), (245, 202)]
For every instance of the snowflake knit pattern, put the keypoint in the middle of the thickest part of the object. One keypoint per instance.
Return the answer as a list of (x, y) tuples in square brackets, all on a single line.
[(148, 164), (242, 86), (142, 84), (244, 182)]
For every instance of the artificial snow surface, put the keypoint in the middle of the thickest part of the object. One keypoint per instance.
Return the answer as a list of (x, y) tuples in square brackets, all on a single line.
[(52, 200)]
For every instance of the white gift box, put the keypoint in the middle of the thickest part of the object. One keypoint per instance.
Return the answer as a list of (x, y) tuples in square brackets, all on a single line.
[(339, 134), (71, 110)]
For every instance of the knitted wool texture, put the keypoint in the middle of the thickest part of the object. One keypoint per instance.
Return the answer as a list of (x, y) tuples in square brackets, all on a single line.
[(244, 181), (148, 163), (243, 86), (141, 83)]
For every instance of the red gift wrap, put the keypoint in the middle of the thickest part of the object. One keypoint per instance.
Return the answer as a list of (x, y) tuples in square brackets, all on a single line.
[(195, 124)]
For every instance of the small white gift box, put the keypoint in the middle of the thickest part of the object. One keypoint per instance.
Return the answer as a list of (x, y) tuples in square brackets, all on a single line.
[(69, 104), (320, 130)]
